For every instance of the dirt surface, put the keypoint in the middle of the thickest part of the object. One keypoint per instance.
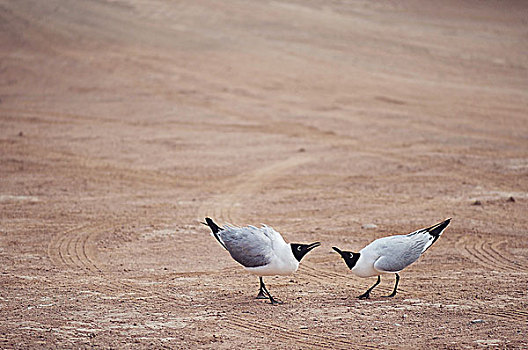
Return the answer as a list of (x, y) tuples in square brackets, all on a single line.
[(124, 123)]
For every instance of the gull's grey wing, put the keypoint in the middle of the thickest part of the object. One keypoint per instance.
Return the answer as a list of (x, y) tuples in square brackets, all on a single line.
[(397, 252), (247, 245)]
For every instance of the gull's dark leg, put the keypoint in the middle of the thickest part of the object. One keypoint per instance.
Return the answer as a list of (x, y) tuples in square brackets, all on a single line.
[(395, 287), (366, 295), (261, 294), (272, 300)]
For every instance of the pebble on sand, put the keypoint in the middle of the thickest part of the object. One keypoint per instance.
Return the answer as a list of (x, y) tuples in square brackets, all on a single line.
[(369, 226)]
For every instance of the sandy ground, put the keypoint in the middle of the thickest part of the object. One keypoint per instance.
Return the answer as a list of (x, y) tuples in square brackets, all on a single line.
[(124, 123)]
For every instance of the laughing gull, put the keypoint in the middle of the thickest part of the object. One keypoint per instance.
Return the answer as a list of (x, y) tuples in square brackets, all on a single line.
[(262, 251), (391, 254)]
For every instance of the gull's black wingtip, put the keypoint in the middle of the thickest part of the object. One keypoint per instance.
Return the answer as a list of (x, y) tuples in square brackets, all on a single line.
[(436, 230), (215, 229), (444, 223)]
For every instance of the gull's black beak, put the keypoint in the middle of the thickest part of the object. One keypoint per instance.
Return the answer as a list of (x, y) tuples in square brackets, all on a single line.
[(334, 248), (313, 245)]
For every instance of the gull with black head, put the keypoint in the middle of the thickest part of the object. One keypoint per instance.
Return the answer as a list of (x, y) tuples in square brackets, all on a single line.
[(391, 254), (261, 250)]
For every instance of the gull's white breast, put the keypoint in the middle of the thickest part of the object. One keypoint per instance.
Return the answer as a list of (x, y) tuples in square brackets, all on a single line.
[(283, 262)]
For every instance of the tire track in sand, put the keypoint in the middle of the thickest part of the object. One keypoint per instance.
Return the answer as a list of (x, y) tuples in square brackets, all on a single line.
[(489, 252), (75, 249), (253, 326), (510, 315), (226, 205), (68, 248)]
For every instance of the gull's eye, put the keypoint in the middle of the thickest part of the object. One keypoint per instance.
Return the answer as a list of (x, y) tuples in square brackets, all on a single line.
[(351, 255), (299, 248)]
